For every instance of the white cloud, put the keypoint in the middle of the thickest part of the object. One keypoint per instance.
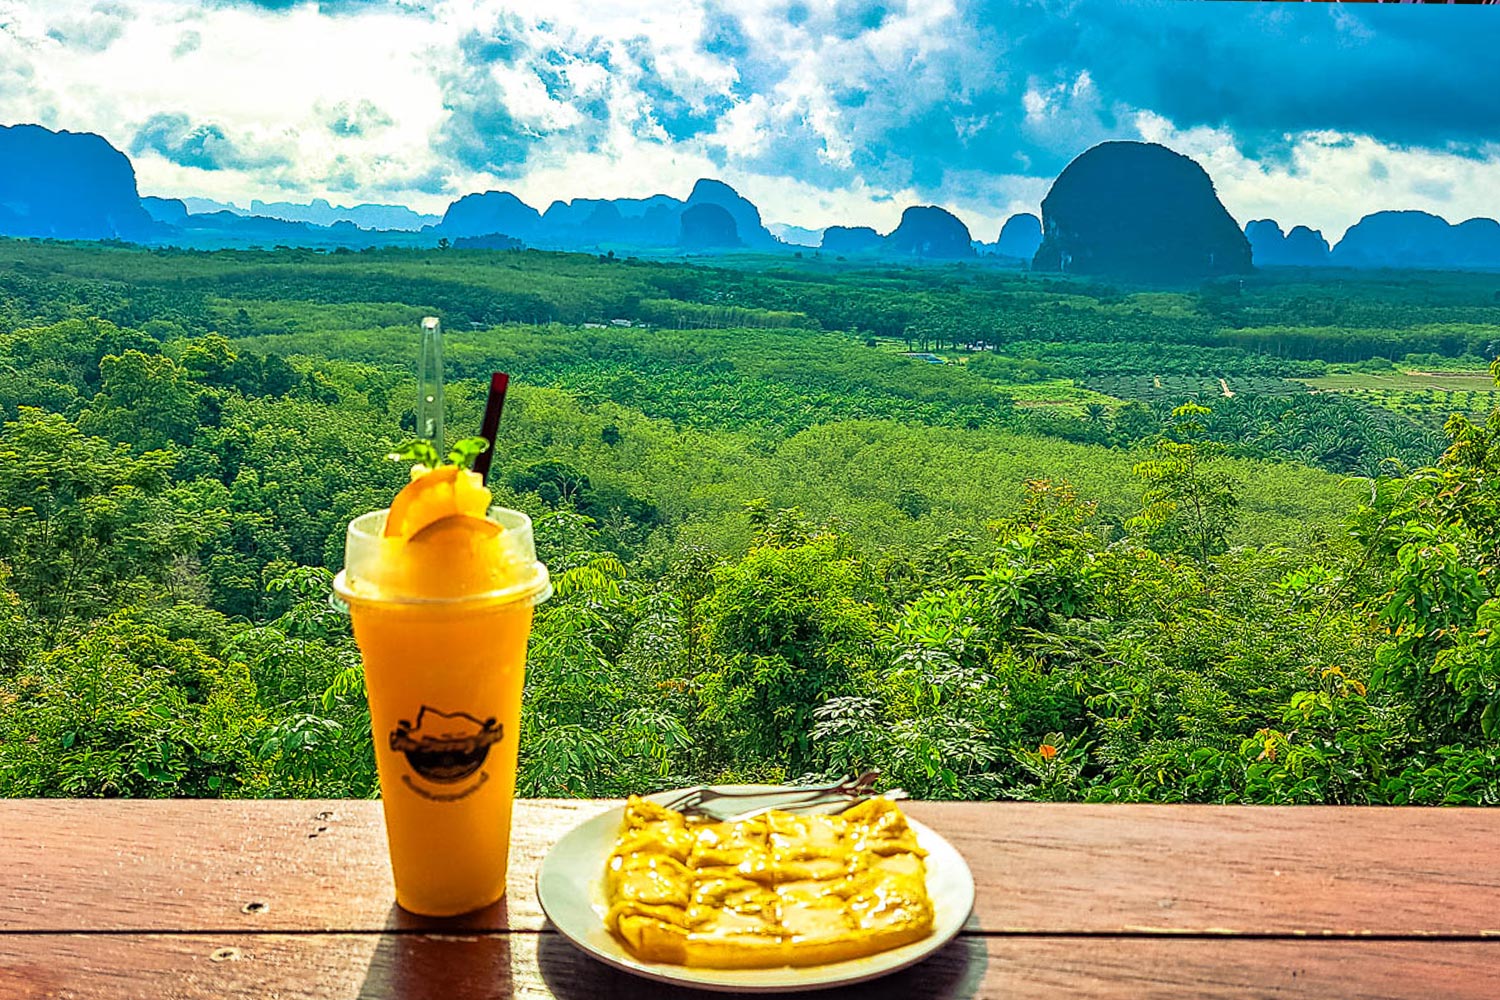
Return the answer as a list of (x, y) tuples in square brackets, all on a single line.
[(1330, 180), (265, 80), (93, 30)]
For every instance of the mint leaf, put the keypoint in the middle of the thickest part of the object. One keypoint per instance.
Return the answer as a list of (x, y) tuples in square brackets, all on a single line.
[(421, 450), (417, 450), (464, 452)]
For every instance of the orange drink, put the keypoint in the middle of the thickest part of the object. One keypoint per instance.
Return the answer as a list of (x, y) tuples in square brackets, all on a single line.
[(441, 589)]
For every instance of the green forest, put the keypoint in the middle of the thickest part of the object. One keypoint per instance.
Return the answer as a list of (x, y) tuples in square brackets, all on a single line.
[(996, 534)]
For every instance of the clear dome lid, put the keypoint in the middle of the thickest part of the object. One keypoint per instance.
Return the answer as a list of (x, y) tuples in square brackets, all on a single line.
[(456, 559)]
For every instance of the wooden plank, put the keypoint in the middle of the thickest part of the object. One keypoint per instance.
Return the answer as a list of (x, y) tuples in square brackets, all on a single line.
[(289, 865), (185, 865), (535, 966), (1232, 869)]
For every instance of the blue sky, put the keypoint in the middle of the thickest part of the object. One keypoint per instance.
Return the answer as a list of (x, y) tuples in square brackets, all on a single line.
[(822, 112)]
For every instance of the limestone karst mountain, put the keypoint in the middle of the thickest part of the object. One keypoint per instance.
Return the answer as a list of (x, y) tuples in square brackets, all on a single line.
[(851, 240), (932, 233), (172, 211), (1419, 239), (707, 226), (1021, 236), (589, 222), (747, 222), (925, 232), (585, 223), (67, 185), (1270, 247), (487, 213), (1138, 210)]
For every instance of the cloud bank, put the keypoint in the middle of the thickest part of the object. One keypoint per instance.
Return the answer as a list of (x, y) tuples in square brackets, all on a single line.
[(823, 112)]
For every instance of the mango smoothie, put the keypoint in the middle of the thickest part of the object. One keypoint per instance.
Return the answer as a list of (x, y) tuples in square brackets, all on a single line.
[(441, 589)]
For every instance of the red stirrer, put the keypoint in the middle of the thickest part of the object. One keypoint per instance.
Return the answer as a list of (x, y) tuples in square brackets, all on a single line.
[(499, 382)]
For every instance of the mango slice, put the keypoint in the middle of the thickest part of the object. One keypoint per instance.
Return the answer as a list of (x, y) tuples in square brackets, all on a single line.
[(434, 495)]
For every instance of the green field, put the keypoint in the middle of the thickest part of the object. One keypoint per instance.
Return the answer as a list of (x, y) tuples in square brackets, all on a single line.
[(1169, 389), (1406, 381), (1423, 396)]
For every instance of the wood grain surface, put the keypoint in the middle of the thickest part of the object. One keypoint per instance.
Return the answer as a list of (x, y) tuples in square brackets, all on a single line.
[(184, 900), (536, 966), (269, 866)]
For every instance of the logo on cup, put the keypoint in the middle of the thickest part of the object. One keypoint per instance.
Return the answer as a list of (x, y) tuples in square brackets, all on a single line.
[(445, 748)]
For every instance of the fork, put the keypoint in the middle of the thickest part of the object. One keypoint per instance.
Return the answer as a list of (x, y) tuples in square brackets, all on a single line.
[(814, 806), (725, 806)]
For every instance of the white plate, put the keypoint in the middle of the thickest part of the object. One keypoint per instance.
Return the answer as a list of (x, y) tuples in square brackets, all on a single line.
[(570, 885)]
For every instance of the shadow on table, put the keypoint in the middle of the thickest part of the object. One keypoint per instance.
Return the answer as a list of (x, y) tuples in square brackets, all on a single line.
[(494, 917), (956, 972), (446, 960)]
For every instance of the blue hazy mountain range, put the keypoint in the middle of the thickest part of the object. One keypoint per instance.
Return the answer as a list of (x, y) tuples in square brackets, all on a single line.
[(319, 212), (1417, 239), (656, 221), (1120, 206)]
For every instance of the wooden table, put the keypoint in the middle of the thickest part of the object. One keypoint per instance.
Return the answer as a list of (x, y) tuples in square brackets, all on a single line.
[(283, 899)]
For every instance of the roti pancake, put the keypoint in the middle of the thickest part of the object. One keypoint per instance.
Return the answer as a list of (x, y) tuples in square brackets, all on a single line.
[(773, 890)]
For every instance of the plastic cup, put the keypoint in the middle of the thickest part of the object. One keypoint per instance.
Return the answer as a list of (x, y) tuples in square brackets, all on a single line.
[(444, 672)]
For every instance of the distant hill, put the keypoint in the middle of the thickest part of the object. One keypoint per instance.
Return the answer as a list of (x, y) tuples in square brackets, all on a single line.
[(1269, 247), (932, 233), (849, 240), (320, 213), (491, 212), (925, 231), (214, 230), (1021, 236), (655, 222), (67, 185), (171, 211), (746, 216), (1138, 210), (708, 226), (1383, 239), (208, 206), (1418, 239), (591, 221), (796, 236)]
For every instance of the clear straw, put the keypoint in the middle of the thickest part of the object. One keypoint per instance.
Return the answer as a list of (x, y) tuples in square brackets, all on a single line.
[(430, 384)]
